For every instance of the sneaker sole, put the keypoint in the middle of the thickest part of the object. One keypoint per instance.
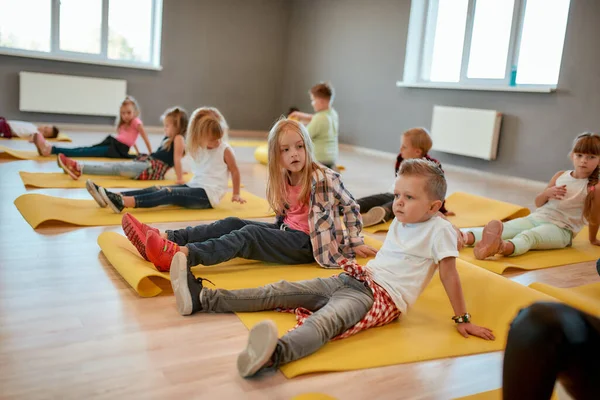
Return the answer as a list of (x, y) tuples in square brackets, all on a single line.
[(262, 342), (374, 216), (108, 202), (135, 236), (491, 232), (179, 283), (89, 185), (67, 170)]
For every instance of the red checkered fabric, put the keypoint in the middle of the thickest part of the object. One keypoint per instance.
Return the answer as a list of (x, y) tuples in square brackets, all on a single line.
[(156, 170), (383, 311)]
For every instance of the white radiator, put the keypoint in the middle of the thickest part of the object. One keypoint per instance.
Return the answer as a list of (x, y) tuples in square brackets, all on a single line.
[(65, 94), (466, 131)]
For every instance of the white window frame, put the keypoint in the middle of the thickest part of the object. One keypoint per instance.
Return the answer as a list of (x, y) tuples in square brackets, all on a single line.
[(56, 53), (419, 50)]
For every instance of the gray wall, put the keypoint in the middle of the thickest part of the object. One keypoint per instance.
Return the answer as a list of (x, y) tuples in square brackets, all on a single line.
[(360, 45), (225, 53)]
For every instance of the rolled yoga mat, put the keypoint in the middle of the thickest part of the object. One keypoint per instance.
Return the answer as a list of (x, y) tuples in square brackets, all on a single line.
[(585, 298)]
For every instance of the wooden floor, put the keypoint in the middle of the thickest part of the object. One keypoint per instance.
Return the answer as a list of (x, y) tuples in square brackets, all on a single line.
[(71, 328)]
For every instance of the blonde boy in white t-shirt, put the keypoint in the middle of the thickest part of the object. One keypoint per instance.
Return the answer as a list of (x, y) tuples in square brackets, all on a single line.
[(418, 242)]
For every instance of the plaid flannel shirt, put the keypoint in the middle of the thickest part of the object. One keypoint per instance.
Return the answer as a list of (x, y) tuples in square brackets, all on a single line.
[(156, 170), (329, 202), (381, 313)]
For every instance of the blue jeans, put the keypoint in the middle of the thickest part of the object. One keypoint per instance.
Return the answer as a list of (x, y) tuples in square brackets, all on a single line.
[(177, 195), (232, 237), (338, 304)]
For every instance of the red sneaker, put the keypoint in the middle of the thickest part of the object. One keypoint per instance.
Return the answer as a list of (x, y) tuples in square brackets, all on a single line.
[(160, 251), (136, 232), (70, 166)]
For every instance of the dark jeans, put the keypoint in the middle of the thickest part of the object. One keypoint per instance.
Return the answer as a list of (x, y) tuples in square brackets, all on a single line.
[(385, 200), (232, 237), (177, 195), (549, 341), (109, 147)]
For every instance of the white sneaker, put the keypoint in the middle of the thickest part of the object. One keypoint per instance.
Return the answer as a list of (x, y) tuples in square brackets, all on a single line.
[(262, 342), (374, 216)]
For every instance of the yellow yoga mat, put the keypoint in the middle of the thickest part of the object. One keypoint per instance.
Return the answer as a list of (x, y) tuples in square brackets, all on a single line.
[(62, 137), (585, 298), (493, 395), (471, 210), (39, 208), (8, 153), (425, 333), (580, 251), (246, 143)]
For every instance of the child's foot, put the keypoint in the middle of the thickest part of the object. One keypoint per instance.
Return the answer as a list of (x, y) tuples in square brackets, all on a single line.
[(113, 200), (186, 287), (374, 216), (159, 251), (69, 166), (491, 240), (262, 343), (43, 147), (94, 191), (136, 232)]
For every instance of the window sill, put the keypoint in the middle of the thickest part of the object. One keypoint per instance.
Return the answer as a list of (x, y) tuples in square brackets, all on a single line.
[(489, 88), (92, 61)]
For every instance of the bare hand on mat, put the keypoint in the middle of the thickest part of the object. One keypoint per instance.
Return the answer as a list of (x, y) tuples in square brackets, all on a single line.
[(364, 251), (468, 328), (236, 198)]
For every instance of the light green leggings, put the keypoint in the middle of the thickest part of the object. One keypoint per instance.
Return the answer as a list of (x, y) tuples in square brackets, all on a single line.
[(530, 233)]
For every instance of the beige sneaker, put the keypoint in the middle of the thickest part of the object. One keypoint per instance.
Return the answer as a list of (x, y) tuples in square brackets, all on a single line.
[(43, 147), (374, 216), (491, 240), (262, 342)]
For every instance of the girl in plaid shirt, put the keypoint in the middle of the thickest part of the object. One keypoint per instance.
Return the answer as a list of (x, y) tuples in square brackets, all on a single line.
[(310, 202), (418, 242)]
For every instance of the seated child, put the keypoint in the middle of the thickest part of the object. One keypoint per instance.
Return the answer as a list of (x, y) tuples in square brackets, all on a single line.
[(323, 126), (418, 242), (145, 167), (25, 130), (377, 208)]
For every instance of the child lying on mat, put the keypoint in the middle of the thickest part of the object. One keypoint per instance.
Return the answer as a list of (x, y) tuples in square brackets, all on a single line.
[(309, 201), (377, 208), (144, 167), (25, 130), (564, 207), (129, 127), (417, 243), (213, 160)]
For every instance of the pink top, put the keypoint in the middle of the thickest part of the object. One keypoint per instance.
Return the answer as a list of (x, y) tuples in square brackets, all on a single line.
[(296, 216), (128, 134)]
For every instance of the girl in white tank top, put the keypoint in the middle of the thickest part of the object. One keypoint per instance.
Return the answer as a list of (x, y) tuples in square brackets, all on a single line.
[(564, 207)]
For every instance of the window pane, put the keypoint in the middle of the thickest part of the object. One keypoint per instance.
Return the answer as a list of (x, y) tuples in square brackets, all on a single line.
[(80, 25), (490, 39), (25, 24), (449, 38), (542, 41), (130, 38)]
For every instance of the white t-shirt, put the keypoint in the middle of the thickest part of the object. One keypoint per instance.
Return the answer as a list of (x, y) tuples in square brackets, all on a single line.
[(211, 172), (22, 129), (409, 257)]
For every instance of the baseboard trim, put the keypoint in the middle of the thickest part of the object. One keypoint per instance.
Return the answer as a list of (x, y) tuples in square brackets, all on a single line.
[(490, 176)]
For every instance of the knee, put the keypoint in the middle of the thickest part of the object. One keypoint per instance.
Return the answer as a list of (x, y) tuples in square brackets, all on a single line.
[(231, 221), (537, 323)]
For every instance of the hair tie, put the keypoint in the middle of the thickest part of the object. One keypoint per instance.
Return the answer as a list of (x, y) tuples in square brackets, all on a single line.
[(592, 188)]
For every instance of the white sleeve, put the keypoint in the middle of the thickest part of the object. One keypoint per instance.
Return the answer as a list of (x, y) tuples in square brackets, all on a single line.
[(22, 128), (444, 243)]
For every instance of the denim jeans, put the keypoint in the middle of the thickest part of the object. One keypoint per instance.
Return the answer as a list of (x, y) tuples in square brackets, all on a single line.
[(529, 233), (93, 151), (337, 303), (385, 200), (177, 195), (550, 341), (130, 169), (232, 237)]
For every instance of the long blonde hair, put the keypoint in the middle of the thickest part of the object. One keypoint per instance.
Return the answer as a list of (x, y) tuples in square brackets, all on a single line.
[(136, 107), (180, 119), (278, 176), (588, 143), (206, 123)]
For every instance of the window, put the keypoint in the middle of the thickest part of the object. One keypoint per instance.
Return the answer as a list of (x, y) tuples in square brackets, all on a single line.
[(485, 43), (114, 32)]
